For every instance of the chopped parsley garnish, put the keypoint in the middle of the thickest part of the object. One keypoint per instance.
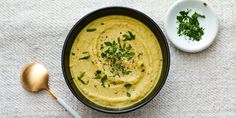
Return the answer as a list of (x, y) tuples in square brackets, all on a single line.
[(103, 77), (126, 72), (189, 25), (103, 80), (128, 85), (87, 56), (98, 74), (116, 53), (109, 43), (80, 78), (85, 52), (129, 36), (128, 94), (91, 30)]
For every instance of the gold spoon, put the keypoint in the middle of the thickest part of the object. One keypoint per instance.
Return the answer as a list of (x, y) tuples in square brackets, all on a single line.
[(34, 78)]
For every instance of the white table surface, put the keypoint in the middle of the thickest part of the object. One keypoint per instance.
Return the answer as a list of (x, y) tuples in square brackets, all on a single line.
[(198, 85)]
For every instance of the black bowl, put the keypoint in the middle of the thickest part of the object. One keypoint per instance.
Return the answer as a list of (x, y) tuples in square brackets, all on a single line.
[(115, 11)]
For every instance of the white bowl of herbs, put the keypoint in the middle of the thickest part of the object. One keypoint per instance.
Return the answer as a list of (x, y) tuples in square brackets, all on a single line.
[(191, 25)]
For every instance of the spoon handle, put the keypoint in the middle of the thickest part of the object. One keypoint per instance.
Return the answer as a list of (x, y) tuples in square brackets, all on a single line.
[(68, 108), (64, 104)]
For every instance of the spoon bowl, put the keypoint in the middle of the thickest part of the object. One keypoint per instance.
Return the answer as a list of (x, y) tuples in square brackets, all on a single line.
[(34, 77)]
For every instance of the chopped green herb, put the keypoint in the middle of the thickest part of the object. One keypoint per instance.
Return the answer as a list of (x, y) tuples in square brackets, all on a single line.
[(102, 77), (128, 94), (126, 72), (108, 43), (91, 30), (85, 52), (128, 85), (116, 52), (80, 78), (85, 57), (130, 55), (129, 36), (82, 75), (97, 77), (189, 25), (129, 47), (103, 55), (98, 74), (103, 80)]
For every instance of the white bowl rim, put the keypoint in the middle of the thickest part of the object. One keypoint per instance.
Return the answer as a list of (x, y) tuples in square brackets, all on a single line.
[(182, 47)]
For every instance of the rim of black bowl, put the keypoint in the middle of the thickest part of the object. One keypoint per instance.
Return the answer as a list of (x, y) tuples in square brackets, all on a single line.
[(114, 10)]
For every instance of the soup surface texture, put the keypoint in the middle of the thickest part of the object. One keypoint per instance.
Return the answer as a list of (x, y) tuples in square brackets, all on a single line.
[(115, 61)]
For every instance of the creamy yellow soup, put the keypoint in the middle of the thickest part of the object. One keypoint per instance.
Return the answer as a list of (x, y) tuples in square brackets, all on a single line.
[(115, 61)]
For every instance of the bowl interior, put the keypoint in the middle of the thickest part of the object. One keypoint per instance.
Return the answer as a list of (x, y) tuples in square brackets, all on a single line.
[(114, 11)]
